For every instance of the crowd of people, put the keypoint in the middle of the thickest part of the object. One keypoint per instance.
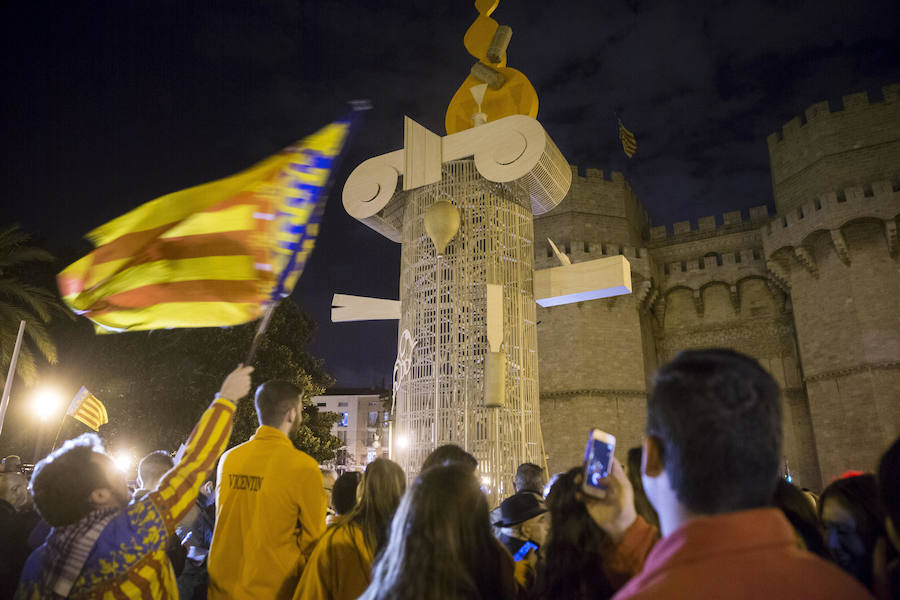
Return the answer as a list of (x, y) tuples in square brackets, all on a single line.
[(699, 511)]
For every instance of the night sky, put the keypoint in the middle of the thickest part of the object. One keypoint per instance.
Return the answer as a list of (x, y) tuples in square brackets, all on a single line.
[(107, 105)]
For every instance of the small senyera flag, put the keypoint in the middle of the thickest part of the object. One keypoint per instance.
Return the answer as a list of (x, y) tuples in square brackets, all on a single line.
[(209, 256), (629, 144), (86, 408)]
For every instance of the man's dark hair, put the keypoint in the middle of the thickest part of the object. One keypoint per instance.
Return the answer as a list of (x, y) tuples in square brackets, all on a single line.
[(717, 416), (343, 494), (273, 401), (889, 482), (62, 483), (529, 478), (449, 453), (153, 466), (633, 471)]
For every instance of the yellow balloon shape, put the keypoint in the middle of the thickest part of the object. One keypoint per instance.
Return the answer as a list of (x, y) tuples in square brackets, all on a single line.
[(441, 223)]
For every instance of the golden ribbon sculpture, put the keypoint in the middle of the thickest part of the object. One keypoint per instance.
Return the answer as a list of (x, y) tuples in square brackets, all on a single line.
[(508, 91)]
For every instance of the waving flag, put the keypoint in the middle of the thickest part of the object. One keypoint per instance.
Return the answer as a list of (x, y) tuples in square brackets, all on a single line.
[(212, 255), (86, 408), (629, 143)]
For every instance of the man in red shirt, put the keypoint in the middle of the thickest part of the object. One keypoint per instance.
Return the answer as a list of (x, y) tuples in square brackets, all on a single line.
[(710, 464)]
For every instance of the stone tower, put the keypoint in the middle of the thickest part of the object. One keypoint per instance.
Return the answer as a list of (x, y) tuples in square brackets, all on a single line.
[(599, 353), (811, 293), (833, 245)]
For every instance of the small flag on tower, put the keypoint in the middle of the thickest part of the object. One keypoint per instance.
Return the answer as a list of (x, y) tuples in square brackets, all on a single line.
[(86, 408), (629, 144)]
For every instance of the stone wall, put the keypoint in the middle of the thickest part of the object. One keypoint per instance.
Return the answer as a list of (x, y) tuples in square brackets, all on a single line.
[(844, 285), (828, 150), (812, 293)]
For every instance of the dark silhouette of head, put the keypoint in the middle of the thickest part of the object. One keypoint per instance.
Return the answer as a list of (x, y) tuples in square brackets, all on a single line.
[(343, 494), (530, 478), (714, 422), (889, 486), (76, 479), (275, 400), (799, 510), (383, 485), (441, 545), (449, 453), (152, 467), (853, 519), (572, 561)]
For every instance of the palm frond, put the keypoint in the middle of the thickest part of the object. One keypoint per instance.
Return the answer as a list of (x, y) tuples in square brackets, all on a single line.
[(32, 296), (40, 300), (12, 236), (18, 256), (26, 367), (35, 329)]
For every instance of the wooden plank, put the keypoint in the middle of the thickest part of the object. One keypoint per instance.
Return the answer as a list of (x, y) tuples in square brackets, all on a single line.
[(580, 282)]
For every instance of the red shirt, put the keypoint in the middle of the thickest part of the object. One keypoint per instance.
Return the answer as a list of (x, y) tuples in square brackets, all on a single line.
[(751, 554)]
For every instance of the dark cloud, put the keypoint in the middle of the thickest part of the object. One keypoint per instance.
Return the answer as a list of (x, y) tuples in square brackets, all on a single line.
[(109, 104)]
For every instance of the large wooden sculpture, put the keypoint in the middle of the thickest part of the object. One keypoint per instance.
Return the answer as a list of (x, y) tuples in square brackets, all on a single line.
[(462, 207)]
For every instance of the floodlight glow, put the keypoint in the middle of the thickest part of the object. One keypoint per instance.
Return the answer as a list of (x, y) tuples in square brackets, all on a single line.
[(402, 441), (46, 403), (123, 461), (486, 481)]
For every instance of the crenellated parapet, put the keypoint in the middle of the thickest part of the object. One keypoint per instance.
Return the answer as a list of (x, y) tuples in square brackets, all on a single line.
[(729, 269), (829, 213), (684, 231), (834, 148), (819, 115)]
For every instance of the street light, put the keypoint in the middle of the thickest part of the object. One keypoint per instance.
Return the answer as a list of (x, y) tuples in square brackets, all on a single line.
[(123, 460), (46, 403)]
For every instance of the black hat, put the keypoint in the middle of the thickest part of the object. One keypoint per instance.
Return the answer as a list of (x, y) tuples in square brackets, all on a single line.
[(520, 507)]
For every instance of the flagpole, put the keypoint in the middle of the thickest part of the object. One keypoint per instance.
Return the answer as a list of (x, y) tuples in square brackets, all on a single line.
[(357, 108), (58, 431), (263, 325), (7, 386)]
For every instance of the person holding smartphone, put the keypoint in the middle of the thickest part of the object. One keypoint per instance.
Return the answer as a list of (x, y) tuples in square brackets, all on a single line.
[(711, 461), (524, 523)]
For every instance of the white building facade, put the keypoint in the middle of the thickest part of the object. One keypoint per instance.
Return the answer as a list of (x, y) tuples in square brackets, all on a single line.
[(362, 428)]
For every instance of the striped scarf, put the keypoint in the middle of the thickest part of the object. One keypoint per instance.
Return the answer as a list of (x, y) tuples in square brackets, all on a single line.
[(68, 548)]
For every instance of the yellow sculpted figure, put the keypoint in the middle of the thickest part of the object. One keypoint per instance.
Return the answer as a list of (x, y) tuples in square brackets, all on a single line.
[(508, 91)]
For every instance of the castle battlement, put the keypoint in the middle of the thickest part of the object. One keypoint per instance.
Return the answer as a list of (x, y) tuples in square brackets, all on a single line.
[(591, 174), (682, 230), (821, 112), (830, 212), (726, 261), (581, 251)]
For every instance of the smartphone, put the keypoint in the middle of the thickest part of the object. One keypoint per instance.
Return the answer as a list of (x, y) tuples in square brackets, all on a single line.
[(597, 462), (524, 550)]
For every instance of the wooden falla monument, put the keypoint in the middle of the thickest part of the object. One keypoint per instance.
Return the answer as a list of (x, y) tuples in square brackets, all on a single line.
[(462, 207)]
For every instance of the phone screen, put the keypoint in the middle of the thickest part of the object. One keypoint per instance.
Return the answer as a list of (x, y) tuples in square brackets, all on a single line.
[(597, 463)]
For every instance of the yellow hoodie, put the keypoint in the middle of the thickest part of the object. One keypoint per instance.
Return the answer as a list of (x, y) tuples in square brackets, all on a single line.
[(270, 509)]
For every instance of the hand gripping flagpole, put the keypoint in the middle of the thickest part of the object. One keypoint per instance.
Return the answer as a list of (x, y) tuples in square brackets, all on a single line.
[(357, 107)]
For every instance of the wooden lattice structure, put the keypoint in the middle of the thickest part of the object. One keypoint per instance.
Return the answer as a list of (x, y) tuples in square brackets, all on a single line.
[(441, 399)]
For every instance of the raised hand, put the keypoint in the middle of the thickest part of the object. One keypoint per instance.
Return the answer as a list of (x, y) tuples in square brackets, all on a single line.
[(237, 384), (615, 513)]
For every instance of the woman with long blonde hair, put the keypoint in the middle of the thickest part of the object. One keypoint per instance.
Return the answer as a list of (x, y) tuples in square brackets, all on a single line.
[(441, 546), (340, 566)]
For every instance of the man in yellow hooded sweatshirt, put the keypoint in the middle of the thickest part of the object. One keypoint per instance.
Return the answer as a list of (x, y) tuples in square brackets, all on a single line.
[(270, 507)]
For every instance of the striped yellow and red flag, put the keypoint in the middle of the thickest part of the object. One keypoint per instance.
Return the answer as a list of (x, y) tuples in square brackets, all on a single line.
[(212, 255), (86, 408), (629, 143)]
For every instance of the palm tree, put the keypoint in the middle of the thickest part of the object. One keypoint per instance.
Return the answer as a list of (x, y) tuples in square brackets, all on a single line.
[(20, 300)]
